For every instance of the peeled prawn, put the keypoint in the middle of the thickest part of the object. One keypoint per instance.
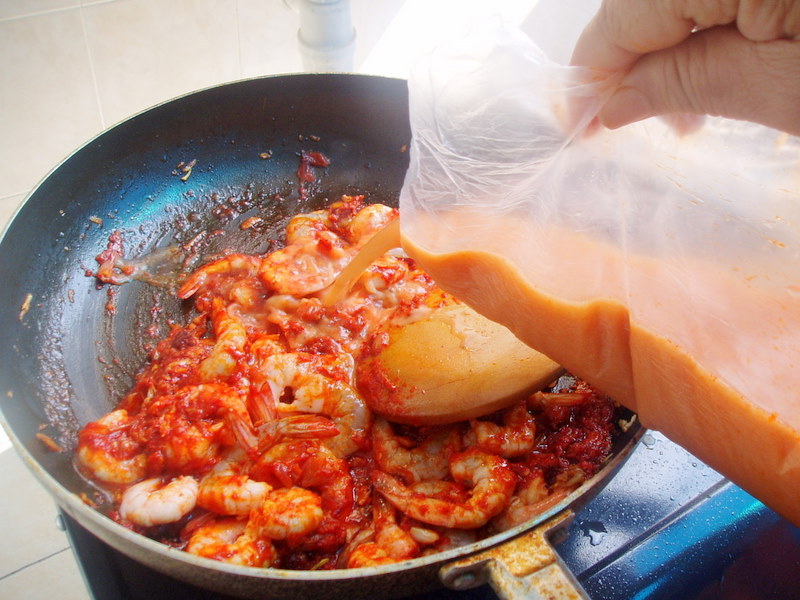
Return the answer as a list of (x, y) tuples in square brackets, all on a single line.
[(367, 222), (228, 490), (230, 344), (320, 244), (515, 437), (318, 386), (230, 540), (186, 430), (263, 405), (330, 476), (391, 542), (287, 514), (304, 227), (429, 460), (309, 464), (108, 452), (150, 502), (490, 478), (312, 258), (234, 266), (256, 440), (284, 514), (532, 498)]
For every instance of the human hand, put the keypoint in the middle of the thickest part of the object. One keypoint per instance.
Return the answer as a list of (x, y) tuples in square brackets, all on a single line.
[(731, 58)]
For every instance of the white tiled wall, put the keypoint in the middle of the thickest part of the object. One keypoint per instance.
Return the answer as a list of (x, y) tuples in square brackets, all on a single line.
[(71, 68)]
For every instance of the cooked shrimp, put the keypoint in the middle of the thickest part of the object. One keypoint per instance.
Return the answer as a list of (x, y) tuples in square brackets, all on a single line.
[(228, 490), (230, 344), (263, 405), (309, 464), (257, 440), (234, 267), (107, 451), (150, 502), (515, 437), (429, 460), (320, 244), (282, 464), (391, 542), (330, 476), (304, 227), (368, 221), (287, 514), (317, 384), (533, 497), (380, 282), (186, 430), (452, 538), (173, 365), (312, 258), (230, 540), (492, 484)]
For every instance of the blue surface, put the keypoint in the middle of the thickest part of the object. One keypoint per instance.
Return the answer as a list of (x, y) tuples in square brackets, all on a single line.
[(668, 527)]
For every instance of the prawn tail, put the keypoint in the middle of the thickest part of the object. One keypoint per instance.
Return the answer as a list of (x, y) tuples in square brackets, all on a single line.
[(243, 432), (307, 427), (192, 284), (261, 405)]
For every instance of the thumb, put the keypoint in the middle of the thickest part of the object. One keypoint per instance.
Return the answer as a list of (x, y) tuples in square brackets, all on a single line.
[(716, 72)]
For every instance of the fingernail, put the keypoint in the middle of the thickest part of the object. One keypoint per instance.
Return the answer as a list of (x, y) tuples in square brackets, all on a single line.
[(684, 123), (627, 105)]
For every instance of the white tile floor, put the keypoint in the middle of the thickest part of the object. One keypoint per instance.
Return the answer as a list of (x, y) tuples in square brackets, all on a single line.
[(71, 68)]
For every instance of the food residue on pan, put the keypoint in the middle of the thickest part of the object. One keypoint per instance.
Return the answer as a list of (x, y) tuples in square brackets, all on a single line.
[(49, 442), (185, 169), (251, 222), (26, 306), (305, 172)]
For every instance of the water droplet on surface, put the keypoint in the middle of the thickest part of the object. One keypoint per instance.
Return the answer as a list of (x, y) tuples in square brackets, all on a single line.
[(595, 531), (648, 440)]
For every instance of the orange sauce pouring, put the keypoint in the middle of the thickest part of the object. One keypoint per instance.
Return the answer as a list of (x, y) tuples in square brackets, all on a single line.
[(742, 418)]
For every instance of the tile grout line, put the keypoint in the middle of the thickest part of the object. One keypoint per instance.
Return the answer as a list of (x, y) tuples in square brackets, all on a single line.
[(92, 69), (36, 562), (38, 13), (51, 11), (23, 193)]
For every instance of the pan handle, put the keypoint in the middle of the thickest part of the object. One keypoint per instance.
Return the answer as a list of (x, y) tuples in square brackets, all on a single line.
[(524, 567)]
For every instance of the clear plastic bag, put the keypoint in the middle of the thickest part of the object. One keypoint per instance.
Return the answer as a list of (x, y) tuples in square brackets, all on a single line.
[(663, 269)]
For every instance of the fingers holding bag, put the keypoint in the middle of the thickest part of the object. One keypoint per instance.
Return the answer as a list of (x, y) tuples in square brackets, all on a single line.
[(734, 59)]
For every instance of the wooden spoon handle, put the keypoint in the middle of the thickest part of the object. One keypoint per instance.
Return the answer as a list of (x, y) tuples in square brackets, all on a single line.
[(379, 244)]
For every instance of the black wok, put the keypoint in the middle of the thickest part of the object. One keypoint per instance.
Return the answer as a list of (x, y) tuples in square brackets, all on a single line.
[(67, 357)]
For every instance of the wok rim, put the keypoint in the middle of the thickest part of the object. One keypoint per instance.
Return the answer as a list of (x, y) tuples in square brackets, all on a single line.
[(81, 512)]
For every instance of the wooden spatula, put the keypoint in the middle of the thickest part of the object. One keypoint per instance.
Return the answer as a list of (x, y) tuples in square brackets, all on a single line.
[(453, 365)]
